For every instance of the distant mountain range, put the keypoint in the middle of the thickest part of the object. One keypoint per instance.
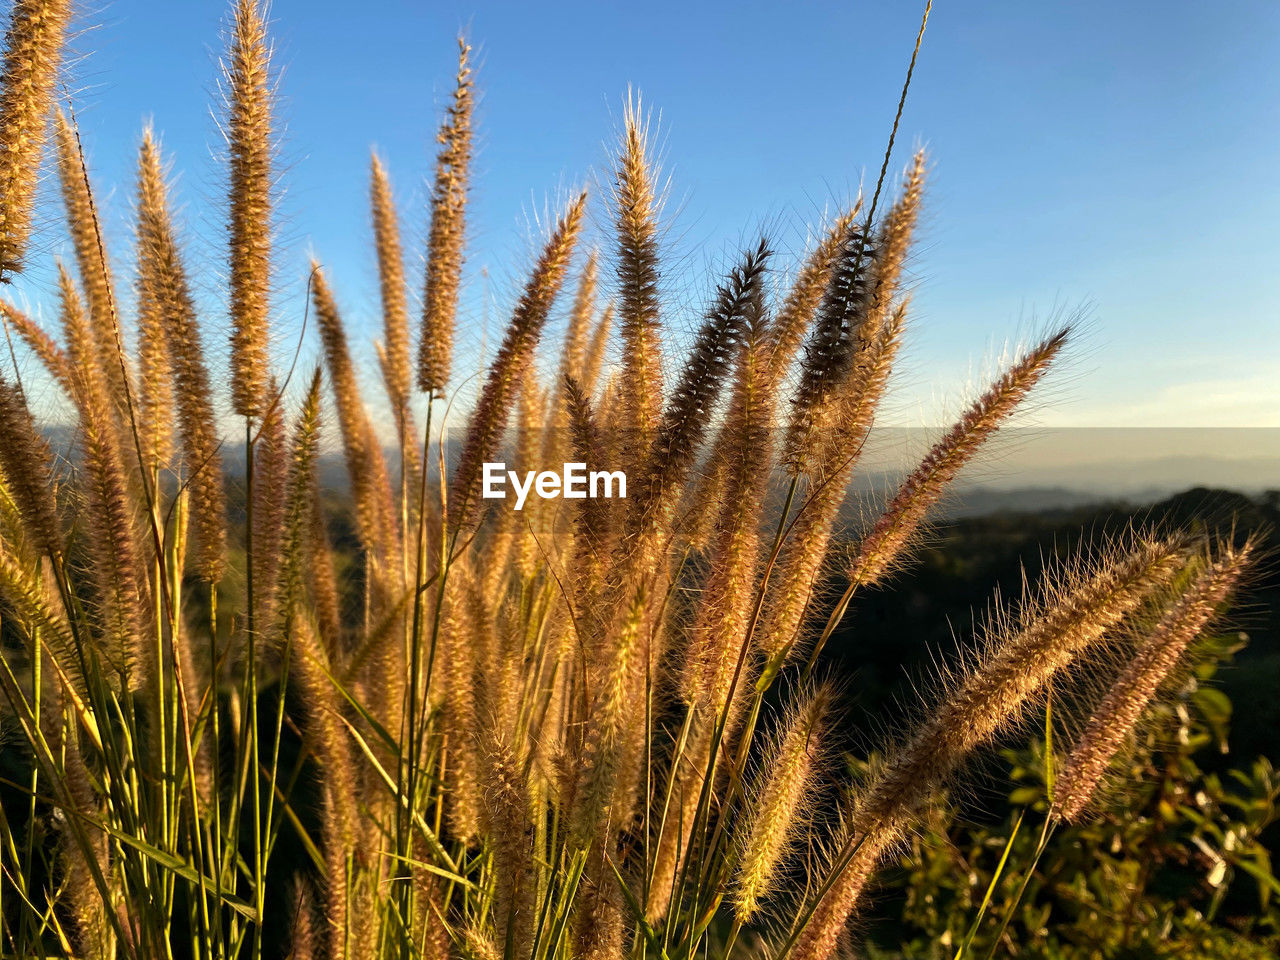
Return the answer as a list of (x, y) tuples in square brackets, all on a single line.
[(1025, 471)]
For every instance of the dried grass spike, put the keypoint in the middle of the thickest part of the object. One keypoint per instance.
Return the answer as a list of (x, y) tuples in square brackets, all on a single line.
[(51, 356), (33, 52), (497, 397), (249, 132), (447, 236), (780, 804), (95, 272), (1123, 705), (26, 462), (636, 212), (395, 306), (985, 700), (884, 545), (176, 317)]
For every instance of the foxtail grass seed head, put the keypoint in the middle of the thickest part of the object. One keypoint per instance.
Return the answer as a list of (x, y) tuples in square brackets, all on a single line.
[(52, 356), (797, 310), (803, 553), (248, 129), (883, 546), (497, 397), (636, 224), (781, 804), (573, 356), (1160, 651), (168, 290), (593, 360), (1020, 660), (112, 540), (395, 306), (91, 258), (27, 465), (839, 329), (155, 386), (366, 464), (737, 305), (32, 54), (447, 237)]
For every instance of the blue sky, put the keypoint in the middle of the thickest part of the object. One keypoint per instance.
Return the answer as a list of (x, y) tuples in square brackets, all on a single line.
[(1123, 158)]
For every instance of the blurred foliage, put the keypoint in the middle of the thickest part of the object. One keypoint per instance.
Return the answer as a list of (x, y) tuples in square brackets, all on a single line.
[(1176, 865)]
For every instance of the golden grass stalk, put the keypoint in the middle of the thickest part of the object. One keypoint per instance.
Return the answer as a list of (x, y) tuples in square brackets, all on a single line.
[(803, 552), (51, 356), (447, 236), (636, 224), (461, 642), (95, 274), (169, 290), (605, 793), (595, 524), (797, 310), (33, 52), (973, 709), (896, 234), (610, 730), (738, 305), (573, 356), (270, 479), (82, 857), (838, 331), (248, 131), (26, 462), (395, 304), (371, 491), (365, 461), (31, 604), (743, 457), (324, 582), (886, 541), (506, 372), (302, 935), (155, 385), (779, 804), (1161, 650), (530, 432), (558, 430), (113, 541), (505, 817), (312, 667)]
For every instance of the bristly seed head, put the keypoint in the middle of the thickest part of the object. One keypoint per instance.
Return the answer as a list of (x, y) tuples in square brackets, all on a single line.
[(249, 144), (447, 236)]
